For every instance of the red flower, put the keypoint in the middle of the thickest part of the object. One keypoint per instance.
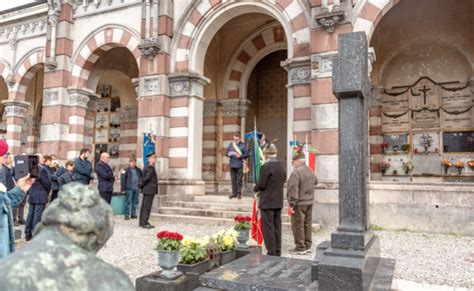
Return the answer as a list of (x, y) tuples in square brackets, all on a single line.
[(169, 235)]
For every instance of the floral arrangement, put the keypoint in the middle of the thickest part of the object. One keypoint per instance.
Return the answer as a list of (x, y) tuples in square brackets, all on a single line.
[(408, 166), (169, 241), (384, 146), (225, 239), (193, 251), (384, 166), (242, 222), (471, 164), (426, 141), (406, 147), (417, 151), (446, 163), (459, 164)]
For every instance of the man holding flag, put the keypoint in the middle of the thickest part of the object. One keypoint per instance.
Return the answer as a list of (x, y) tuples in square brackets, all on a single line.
[(237, 152)]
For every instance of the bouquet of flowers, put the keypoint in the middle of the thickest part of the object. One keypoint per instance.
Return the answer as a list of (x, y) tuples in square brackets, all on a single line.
[(169, 241), (459, 165), (471, 164), (384, 166), (408, 166), (225, 239), (242, 222), (446, 164), (193, 251)]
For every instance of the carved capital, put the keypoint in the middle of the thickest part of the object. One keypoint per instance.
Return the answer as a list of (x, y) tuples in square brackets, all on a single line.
[(15, 108), (330, 20), (235, 107), (150, 48), (79, 97), (189, 84), (53, 17), (210, 108)]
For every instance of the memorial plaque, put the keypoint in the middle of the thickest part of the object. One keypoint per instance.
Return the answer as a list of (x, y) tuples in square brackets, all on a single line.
[(426, 142), (101, 136), (257, 272), (395, 103), (114, 120), (395, 121), (424, 95), (396, 165), (459, 98), (458, 142), (103, 105), (114, 135), (102, 120), (425, 119), (458, 118), (429, 164), (395, 142)]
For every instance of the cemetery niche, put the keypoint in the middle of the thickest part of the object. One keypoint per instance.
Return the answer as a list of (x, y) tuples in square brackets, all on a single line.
[(428, 122)]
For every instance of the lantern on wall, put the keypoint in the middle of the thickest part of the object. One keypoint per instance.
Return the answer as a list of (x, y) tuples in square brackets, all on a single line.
[(213, 252)]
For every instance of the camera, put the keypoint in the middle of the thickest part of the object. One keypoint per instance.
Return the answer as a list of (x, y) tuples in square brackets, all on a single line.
[(26, 164)]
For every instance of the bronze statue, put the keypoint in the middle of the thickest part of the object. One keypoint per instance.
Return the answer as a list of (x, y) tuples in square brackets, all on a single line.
[(61, 255)]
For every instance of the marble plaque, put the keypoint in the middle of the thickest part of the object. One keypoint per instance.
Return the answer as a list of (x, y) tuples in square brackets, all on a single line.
[(257, 272), (430, 139), (395, 121), (114, 119), (101, 136), (114, 150), (114, 135), (102, 120), (427, 164), (395, 103), (103, 105), (396, 164), (394, 142), (424, 95), (458, 118), (461, 98), (425, 119)]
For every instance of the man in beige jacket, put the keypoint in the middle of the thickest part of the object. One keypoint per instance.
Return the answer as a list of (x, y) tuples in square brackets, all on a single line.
[(300, 202)]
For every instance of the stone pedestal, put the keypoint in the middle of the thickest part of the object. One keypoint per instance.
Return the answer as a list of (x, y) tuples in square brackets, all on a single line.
[(153, 281)]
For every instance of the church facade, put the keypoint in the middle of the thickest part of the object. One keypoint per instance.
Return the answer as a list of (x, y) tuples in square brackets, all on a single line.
[(100, 74)]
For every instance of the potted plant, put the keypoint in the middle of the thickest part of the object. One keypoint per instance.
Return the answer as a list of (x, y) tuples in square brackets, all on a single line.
[(406, 147), (459, 165), (242, 226), (194, 257), (408, 166), (169, 244), (384, 166), (446, 164), (227, 242)]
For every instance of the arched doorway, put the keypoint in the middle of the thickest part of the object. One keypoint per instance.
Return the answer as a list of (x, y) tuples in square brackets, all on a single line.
[(113, 121), (31, 129)]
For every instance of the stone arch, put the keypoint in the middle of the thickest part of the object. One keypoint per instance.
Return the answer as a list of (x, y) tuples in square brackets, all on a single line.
[(5, 68), (370, 13), (206, 18), (258, 45), (96, 44), (25, 71)]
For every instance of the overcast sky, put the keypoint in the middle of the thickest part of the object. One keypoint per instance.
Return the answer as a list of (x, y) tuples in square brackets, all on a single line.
[(7, 4)]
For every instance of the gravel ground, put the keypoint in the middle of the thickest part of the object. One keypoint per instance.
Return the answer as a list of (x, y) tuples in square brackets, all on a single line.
[(423, 258)]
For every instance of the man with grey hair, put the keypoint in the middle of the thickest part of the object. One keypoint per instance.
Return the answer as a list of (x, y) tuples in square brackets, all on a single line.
[(61, 256), (300, 203), (106, 177), (270, 185)]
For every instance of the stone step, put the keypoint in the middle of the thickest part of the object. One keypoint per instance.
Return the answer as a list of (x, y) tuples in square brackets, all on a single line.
[(223, 199), (211, 213), (211, 206), (188, 219)]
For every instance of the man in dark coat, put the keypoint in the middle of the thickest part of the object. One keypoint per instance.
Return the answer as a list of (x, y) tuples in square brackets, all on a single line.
[(106, 177), (237, 152), (67, 177), (149, 187), (38, 197), (83, 168), (130, 184), (270, 185)]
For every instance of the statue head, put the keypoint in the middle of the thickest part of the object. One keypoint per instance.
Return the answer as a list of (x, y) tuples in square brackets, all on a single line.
[(80, 214)]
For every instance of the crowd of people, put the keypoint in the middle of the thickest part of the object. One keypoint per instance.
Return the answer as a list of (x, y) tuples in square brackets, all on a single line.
[(42, 190), (269, 189)]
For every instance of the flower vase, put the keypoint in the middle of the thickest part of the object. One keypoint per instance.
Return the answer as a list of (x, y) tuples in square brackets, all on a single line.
[(168, 260), (243, 238), (446, 170), (426, 148), (460, 171)]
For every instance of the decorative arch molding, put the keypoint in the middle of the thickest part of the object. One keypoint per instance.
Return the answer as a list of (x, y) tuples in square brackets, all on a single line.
[(25, 70), (259, 44), (5, 68), (96, 44), (205, 18), (368, 14)]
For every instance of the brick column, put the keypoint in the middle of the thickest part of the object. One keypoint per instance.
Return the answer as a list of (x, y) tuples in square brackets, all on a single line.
[(32, 132), (375, 133), (128, 134), (15, 112), (209, 143), (186, 132)]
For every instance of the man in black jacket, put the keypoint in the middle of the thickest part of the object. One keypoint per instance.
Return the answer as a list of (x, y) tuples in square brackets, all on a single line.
[(38, 196), (129, 182), (149, 187), (106, 177), (83, 168), (270, 185)]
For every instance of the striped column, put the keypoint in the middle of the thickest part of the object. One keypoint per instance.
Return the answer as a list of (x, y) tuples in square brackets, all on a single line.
[(32, 132), (89, 121), (78, 104), (128, 134), (375, 134), (56, 117), (15, 112), (299, 105), (209, 143)]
